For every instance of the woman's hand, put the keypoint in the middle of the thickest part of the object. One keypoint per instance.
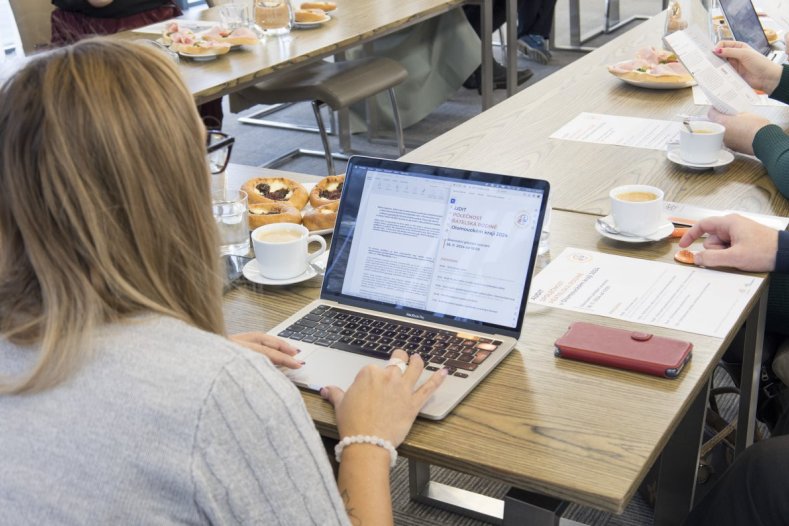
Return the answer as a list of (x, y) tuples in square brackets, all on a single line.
[(100, 3), (734, 241), (757, 70), (740, 129), (278, 351), (382, 400)]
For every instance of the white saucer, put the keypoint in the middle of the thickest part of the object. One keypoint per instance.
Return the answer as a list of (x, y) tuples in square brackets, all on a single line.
[(252, 273), (199, 58), (661, 233), (724, 157), (311, 25)]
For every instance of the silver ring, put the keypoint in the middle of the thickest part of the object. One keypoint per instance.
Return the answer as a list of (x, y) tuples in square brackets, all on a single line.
[(397, 362)]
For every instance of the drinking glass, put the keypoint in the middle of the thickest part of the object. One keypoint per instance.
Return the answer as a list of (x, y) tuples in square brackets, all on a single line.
[(234, 15), (230, 215), (274, 17)]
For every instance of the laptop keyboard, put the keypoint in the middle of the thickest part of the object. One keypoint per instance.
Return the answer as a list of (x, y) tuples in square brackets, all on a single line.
[(378, 337)]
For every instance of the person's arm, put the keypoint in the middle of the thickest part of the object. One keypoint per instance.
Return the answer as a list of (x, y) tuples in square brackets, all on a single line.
[(781, 92), (771, 146), (737, 242), (256, 455), (275, 349), (381, 402)]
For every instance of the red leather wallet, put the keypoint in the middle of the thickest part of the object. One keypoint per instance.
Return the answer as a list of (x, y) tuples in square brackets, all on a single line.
[(635, 351)]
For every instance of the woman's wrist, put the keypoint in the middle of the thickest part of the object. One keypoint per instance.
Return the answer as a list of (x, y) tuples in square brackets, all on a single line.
[(365, 444)]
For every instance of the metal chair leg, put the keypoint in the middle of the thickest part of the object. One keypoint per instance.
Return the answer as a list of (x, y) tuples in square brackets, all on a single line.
[(316, 108), (398, 125)]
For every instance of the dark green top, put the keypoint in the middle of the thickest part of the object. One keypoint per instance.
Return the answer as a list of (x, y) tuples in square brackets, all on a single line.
[(771, 144)]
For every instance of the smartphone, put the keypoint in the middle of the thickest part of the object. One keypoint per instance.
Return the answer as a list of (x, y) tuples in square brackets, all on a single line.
[(632, 350)]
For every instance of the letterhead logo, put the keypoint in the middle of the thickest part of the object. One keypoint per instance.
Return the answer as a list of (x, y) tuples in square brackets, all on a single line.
[(522, 219)]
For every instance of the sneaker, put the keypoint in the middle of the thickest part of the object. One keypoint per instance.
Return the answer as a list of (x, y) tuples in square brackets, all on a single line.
[(535, 47)]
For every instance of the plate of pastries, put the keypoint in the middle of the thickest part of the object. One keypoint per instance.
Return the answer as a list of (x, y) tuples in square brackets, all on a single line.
[(283, 200)]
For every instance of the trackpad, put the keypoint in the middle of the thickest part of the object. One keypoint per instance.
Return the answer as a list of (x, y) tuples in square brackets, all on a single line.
[(329, 367)]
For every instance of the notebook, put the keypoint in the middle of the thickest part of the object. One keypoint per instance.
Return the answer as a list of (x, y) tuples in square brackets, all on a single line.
[(434, 260), (744, 23)]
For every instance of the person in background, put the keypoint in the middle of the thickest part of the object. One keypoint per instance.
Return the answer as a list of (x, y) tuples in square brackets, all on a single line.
[(753, 490), (753, 134), (73, 20), (535, 18), (121, 398), (474, 17)]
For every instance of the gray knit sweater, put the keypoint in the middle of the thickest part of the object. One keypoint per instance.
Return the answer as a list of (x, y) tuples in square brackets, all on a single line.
[(164, 424)]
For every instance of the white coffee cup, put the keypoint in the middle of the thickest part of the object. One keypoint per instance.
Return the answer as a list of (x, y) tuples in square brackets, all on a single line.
[(637, 209), (703, 144), (281, 249)]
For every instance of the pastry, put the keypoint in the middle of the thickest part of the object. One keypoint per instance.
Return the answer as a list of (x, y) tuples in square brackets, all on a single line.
[(275, 190), (267, 213), (322, 217), (328, 189)]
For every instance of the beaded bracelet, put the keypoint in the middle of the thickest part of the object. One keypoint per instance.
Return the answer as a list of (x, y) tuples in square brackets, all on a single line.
[(365, 439)]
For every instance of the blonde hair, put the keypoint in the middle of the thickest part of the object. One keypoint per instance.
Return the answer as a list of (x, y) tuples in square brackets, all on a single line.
[(104, 207)]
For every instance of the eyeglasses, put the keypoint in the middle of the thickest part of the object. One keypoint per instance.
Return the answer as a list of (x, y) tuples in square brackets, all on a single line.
[(218, 147)]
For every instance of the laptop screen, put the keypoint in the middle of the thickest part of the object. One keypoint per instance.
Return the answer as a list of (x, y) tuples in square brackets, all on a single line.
[(745, 25), (450, 246)]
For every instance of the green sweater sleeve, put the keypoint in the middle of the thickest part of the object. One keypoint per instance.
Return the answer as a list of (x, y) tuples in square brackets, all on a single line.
[(771, 146), (781, 92)]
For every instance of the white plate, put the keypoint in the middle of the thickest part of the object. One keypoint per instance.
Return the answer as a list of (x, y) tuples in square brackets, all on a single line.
[(658, 85), (311, 25), (724, 157), (201, 57), (660, 234), (252, 273)]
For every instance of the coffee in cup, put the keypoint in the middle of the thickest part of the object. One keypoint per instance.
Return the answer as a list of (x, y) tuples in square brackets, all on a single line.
[(637, 209), (702, 143), (281, 249)]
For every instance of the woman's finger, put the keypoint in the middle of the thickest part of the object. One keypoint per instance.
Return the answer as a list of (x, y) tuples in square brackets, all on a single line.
[(332, 394)]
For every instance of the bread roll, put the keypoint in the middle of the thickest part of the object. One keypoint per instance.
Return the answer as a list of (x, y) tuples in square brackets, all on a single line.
[(275, 190), (309, 15), (323, 6), (321, 218), (267, 213)]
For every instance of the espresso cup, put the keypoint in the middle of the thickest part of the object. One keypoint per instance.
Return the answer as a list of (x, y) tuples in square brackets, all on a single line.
[(637, 209), (703, 144), (281, 249)]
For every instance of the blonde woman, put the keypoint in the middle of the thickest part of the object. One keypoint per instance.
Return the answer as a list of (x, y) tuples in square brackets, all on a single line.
[(121, 400)]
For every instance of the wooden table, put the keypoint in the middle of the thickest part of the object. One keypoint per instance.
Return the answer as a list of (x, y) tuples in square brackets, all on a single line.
[(354, 23), (572, 431), (512, 138)]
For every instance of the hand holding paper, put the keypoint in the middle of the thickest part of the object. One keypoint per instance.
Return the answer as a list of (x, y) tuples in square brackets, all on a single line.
[(721, 83)]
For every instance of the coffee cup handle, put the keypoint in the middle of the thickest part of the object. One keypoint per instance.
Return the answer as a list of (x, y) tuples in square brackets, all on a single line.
[(317, 239)]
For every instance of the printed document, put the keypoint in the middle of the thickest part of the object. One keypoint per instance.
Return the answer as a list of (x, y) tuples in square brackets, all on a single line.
[(635, 132), (685, 214), (722, 85), (700, 99), (675, 296)]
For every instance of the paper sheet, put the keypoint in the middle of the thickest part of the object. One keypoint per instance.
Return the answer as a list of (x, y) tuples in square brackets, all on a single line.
[(701, 99), (692, 213), (623, 131), (722, 85), (675, 296)]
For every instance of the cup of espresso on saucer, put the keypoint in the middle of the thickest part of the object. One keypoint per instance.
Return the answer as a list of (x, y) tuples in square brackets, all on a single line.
[(700, 142), (637, 209), (282, 249)]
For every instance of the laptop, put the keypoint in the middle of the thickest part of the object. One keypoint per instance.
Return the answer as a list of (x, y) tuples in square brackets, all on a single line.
[(433, 260), (744, 24)]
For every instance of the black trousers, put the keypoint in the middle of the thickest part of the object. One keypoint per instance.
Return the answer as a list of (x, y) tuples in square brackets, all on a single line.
[(754, 491), (534, 16)]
